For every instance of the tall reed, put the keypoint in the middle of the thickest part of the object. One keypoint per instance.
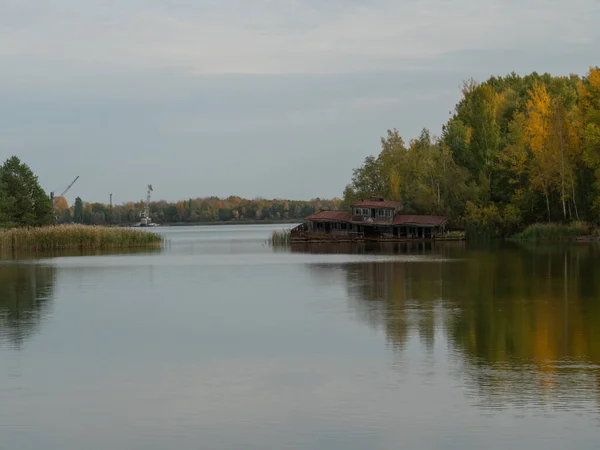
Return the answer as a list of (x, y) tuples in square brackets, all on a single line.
[(281, 237), (75, 237)]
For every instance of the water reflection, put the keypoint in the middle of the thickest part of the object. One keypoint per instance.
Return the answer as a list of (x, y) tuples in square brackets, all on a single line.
[(25, 292), (64, 253), (528, 325), (379, 248), (523, 324)]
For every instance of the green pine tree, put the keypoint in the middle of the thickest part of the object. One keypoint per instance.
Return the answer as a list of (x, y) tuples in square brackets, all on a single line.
[(23, 202)]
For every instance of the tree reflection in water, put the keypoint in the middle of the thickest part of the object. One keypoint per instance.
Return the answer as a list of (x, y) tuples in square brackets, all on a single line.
[(25, 293), (26, 289), (523, 323)]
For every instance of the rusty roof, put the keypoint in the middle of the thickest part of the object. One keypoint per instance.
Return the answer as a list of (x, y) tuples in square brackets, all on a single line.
[(331, 215), (434, 221), (377, 203)]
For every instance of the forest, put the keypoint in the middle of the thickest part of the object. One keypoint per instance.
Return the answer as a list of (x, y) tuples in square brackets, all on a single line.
[(517, 150)]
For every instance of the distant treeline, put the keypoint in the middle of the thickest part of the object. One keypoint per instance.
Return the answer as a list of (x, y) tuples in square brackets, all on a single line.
[(517, 150), (199, 210)]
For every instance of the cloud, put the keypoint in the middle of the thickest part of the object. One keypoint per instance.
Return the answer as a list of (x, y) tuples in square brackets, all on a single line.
[(288, 36)]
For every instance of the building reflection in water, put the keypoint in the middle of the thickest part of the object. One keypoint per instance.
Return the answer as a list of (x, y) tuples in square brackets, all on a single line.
[(522, 323), (25, 299)]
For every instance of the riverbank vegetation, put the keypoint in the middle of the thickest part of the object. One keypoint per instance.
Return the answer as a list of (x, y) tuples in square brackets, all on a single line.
[(517, 150), (61, 237), (27, 219)]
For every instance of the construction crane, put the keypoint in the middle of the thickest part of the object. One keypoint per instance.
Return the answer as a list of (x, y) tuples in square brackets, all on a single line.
[(64, 192), (145, 216)]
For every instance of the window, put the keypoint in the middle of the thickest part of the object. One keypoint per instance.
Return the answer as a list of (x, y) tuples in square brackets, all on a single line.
[(384, 214)]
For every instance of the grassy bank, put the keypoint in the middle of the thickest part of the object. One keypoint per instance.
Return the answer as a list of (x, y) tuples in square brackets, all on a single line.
[(75, 237), (557, 232)]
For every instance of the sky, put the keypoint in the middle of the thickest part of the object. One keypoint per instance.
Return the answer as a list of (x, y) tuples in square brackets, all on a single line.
[(263, 98)]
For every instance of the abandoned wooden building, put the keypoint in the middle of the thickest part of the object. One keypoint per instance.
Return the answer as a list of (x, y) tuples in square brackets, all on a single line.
[(375, 218)]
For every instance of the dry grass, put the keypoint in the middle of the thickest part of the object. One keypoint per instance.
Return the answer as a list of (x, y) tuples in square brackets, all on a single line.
[(75, 237)]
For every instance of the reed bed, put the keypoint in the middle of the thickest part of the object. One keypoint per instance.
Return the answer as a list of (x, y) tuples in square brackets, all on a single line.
[(75, 237), (554, 232), (281, 237)]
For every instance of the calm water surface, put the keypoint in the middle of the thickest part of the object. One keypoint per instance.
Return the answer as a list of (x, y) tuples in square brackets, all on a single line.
[(221, 342)]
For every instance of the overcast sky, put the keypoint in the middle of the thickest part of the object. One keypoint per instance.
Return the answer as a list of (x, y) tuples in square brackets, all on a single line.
[(271, 98)]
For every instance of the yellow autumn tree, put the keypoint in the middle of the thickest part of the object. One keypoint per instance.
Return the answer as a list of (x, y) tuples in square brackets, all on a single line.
[(60, 205), (537, 135)]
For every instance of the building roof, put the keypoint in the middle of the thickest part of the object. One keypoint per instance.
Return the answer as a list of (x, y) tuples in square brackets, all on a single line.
[(378, 202), (433, 221), (331, 216)]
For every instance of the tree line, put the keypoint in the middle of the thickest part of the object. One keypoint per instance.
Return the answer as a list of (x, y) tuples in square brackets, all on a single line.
[(199, 210), (517, 150)]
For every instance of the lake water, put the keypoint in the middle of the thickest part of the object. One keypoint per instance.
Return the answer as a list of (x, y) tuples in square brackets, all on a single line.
[(219, 341)]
